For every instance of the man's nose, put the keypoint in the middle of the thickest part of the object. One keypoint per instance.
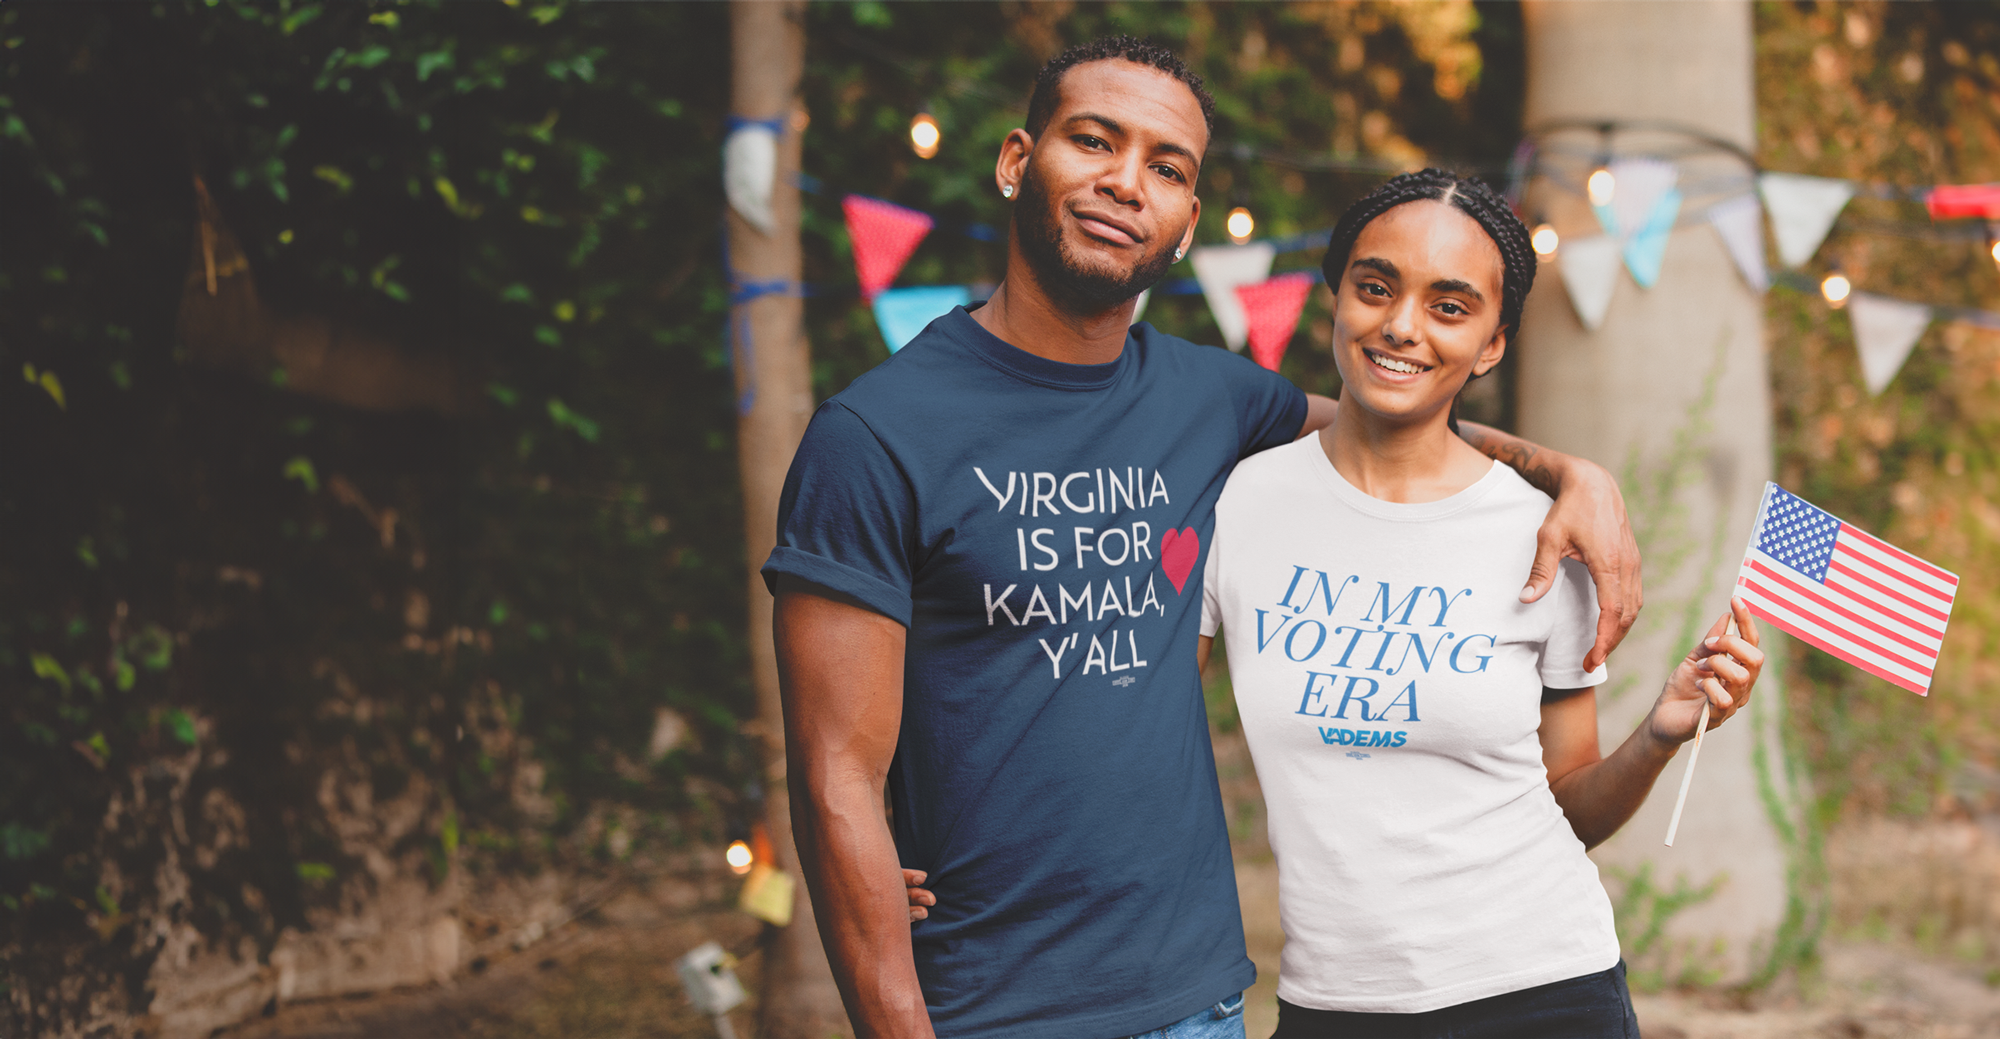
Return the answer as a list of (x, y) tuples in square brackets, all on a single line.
[(1120, 180)]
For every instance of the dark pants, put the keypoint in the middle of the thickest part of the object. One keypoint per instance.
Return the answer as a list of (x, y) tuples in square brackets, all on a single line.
[(1595, 1006)]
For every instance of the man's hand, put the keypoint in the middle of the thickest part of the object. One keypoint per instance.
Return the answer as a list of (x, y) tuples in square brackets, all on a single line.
[(1588, 523)]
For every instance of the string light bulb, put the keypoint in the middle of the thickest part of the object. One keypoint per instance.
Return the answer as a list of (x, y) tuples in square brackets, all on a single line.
[(1601, 186), (924, 135), (1836, 288), (1996, 250), (1240, 225), (738, 856), (1545, 240)]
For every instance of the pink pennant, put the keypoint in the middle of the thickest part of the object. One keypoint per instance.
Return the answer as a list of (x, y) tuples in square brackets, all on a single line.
[(884, 236), (1273, 307), (1951, 201)]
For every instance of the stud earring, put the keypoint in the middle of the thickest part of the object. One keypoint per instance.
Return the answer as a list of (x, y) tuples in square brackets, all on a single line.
[(1007, 191), (1179, 252)]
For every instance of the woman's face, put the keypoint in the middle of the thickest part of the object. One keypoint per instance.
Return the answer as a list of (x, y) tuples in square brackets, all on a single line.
[(1418, 311)]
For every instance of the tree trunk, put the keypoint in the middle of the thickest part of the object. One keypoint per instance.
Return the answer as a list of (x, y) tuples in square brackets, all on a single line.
[(1671, 393), (774, 396)]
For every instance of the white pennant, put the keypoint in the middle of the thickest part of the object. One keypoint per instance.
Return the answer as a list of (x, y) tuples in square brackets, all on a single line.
[(1636, 185), (1739, 222), (1139, 305), (1219, 269), (1590, 273), (749, 169), (1802, 211), (1884, 331)]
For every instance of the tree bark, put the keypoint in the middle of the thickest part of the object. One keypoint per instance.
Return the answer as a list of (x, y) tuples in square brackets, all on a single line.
[(1673, 390), (774, 402)]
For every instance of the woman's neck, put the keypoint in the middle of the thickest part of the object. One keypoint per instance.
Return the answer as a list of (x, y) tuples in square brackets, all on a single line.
[(1403, 462)]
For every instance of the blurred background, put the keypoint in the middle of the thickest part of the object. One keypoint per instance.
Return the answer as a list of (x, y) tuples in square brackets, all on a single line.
[(375, 616)]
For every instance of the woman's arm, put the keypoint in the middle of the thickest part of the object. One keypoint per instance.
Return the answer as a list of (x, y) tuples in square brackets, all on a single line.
[(1598, 794)]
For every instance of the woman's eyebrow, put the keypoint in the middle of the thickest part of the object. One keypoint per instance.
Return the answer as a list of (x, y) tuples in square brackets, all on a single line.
[(1454, 285), (1379, 266)]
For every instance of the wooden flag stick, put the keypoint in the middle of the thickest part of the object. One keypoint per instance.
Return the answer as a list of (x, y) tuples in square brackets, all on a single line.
[(1687, 778)]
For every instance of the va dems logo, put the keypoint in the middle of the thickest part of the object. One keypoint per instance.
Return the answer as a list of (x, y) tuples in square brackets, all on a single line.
[(1123, 680)]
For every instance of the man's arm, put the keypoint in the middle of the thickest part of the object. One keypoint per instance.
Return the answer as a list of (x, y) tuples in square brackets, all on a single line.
[(1319, 414), (1587, 523), (840, 669)]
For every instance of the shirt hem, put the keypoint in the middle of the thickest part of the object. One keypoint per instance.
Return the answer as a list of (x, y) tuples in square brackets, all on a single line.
[(1466, 992), (1153, 1016)]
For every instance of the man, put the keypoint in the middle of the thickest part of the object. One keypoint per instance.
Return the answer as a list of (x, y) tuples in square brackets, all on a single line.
[(988, 593)]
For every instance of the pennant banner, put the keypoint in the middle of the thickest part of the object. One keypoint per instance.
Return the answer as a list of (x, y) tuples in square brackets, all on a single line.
[(1637, 186), (1739, 222), (1139, 304), (1802, 211), (1855, 596), (1955, 201), (1220, 269), (1272, 311), (1647, 247), (749, 169), (902, 313), (884, 235), (1590, 273), (1884, 331)]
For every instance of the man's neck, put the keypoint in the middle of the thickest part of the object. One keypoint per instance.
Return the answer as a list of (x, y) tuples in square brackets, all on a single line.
[(1023, 315)]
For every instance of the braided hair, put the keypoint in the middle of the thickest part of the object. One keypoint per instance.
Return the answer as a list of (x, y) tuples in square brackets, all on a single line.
[(1468, 195)]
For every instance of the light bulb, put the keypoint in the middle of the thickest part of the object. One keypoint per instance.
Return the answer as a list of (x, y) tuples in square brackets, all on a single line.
[(738, 857), (924, 135), (1996, 249), (1545, 240), (1600, 186), (1240, 224), (1836, 288)]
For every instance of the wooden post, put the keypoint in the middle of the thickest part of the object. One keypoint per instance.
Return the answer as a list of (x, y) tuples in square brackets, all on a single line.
[(774, 401)]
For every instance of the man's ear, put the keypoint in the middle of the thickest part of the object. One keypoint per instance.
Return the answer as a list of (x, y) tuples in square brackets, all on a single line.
[(1496, 348), (1194, 218), (1012, 165)]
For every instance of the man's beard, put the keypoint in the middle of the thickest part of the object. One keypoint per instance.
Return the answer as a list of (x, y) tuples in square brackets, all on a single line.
[(1074, 287)]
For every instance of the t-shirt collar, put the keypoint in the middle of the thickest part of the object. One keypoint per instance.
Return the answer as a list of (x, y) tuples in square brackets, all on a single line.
[(1021, 364)]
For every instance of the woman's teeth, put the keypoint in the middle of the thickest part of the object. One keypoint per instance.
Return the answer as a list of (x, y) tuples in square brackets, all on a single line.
[(1394, 365)]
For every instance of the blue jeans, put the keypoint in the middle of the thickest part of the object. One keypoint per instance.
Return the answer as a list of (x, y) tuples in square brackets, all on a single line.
[(1221, 1021), (1594, 1006)]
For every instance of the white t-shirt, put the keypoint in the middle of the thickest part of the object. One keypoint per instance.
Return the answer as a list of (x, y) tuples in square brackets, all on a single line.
[(1390, 684)]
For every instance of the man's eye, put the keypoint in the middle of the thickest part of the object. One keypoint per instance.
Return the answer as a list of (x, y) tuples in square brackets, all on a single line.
[(1168, 172), (1091, 142), (1452, 309), (1374, 288)]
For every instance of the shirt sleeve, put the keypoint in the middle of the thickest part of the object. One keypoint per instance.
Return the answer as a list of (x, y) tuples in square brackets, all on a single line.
[(1211, 595), (1269, 409), (1575, 631), (847, 516)]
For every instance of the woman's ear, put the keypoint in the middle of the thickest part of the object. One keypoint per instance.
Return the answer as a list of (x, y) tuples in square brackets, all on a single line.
[(1489, 358)]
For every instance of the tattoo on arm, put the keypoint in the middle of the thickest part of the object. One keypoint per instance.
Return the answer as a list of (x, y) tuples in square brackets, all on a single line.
[(1515, 453)]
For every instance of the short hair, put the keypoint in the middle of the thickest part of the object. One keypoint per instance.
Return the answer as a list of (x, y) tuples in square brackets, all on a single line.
[(1468, 195), (1048, 82)]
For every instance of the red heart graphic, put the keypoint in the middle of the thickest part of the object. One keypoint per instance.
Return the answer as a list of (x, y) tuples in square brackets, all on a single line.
[(1178, 551)]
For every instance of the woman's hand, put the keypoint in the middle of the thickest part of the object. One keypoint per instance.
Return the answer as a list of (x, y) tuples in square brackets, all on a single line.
[(1722, 670), (920, 898)]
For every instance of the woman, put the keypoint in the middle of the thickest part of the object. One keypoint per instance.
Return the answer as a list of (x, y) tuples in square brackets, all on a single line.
[(1427, 743)]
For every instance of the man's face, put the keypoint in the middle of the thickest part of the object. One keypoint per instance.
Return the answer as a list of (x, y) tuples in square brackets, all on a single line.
[(1107, 194)]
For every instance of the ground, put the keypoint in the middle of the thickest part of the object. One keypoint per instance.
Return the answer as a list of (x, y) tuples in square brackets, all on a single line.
[(610, 973)]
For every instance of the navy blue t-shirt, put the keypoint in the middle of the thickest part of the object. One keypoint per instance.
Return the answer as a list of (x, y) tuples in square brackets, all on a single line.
[(1041, 528)]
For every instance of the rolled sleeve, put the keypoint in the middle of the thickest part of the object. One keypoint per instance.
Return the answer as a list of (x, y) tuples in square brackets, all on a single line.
[(847, 516)]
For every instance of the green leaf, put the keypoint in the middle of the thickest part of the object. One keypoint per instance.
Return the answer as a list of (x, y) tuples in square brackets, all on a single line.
[(563, 417), (448, 837), (369, 57), (297, 19), (429, 63), (86, 552), (386, 19), (341, 180), (300, 468), (545, 15), (497, 614), (46, 667), (181, 726), (123, 674), (96, 742), (547, 335), (154, 648), (314, 872), (506, 395), (19, 842), (106, 902)]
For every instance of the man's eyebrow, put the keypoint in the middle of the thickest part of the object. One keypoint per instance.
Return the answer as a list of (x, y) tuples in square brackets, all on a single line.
[(1382, 267), (1114, 126)]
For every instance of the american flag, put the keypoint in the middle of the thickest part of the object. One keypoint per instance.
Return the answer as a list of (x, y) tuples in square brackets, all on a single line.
[(1855, 596)]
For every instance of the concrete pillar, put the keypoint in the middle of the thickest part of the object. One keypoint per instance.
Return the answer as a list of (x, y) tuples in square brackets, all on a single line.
[(1671, 394)]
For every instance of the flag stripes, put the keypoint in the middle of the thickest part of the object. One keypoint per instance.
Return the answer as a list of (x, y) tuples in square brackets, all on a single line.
[(1847, 592)]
